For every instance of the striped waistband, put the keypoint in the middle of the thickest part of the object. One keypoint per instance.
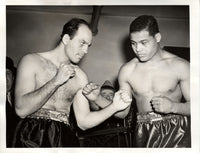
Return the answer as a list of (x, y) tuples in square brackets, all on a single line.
[(50, 115), (152, 117)]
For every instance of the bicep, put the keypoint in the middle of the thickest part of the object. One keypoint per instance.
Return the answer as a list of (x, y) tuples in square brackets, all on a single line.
[(185, 88), (81, 106), (124, 85), (80, 103), (185, 80), (123, 81), (25, 80)]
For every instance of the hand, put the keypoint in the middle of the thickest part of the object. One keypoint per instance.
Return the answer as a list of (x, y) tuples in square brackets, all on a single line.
[(121, 100), (65, 72), (91, 91), (162, 104)]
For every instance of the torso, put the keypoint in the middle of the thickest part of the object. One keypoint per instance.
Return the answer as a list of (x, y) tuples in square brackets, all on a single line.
[(148, 80), (62, 98)]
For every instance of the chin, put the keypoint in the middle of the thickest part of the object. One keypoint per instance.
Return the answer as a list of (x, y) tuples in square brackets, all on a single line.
[(143, 60), (75, 61)]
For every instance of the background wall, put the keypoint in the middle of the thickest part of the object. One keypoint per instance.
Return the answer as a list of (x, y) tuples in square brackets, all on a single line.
[(37, 29)]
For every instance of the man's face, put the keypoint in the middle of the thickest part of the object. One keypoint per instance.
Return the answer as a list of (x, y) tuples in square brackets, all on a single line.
[(77, 47), (144, 45), (9, 80), (108, 94)]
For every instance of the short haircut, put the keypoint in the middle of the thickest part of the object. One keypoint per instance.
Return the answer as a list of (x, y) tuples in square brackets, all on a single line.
[(71, 27), (145, 22)]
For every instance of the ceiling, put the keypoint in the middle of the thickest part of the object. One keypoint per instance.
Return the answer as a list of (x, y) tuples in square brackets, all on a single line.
[(111, 10)]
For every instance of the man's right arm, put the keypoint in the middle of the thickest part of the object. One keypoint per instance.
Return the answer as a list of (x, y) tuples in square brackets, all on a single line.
[(92, 92), (124, 85), (28, 97)]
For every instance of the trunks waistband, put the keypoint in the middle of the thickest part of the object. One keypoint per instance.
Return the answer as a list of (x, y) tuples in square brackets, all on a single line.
[(48, 114), (152, 117)]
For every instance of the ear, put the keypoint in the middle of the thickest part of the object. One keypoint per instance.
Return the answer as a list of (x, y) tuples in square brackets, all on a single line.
[(65, 39), (158, 37)]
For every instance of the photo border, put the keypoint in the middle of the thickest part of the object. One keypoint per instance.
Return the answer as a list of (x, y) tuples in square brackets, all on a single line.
[(194, 73)]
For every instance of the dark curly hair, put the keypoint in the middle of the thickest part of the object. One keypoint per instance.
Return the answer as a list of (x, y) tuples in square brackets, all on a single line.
[(145, 22)]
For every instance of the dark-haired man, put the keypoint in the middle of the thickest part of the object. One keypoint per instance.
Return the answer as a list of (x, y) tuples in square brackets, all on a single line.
[(47, 83), (158, 80)]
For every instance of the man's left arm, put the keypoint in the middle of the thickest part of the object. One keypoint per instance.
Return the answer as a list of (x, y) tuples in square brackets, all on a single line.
[(166, 105), (184, 75)]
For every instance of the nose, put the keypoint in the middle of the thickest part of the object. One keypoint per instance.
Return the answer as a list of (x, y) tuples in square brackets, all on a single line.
[(108, 97), (85, 49), (138, 47)]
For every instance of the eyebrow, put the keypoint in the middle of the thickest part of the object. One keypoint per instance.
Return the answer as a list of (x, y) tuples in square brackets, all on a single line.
[(89, 44), (139, 41)]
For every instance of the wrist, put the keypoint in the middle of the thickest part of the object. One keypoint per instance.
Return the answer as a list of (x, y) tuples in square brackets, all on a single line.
[(114, 107), (97, 98), (56, 82)]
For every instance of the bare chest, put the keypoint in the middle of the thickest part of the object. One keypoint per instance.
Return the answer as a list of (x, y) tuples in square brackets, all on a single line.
[(145, 81), (65, 93)]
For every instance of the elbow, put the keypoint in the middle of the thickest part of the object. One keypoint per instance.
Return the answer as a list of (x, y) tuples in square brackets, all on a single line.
[(21, 113), (120, 115), (21, 108), (83, 126)]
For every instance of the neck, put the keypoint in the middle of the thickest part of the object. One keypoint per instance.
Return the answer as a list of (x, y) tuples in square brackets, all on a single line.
[(157, 56), (58, 54)]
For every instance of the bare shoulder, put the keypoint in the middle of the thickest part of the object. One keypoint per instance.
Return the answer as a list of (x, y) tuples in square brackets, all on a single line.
[(29, 61), (176, 61), (180, 62), (129, 67), (26, 71), (127, 70), (179, 65)]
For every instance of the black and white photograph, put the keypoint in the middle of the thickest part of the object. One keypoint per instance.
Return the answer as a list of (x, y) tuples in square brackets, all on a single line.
[(101, 77)]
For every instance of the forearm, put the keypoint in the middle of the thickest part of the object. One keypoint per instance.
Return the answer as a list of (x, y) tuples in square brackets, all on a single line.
[(32, 101), (92, 119), (87, 119), (122, 114), (181, 108), (102, 102), (94, 106)]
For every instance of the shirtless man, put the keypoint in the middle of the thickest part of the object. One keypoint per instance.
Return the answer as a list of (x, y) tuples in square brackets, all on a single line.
[(157, 80), (47, 84)]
